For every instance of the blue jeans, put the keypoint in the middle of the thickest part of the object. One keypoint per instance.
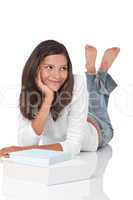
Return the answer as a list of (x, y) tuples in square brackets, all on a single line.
[(99, 87)]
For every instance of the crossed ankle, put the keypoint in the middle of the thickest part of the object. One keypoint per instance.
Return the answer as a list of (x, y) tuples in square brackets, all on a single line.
[(91, 73), (91, 70)]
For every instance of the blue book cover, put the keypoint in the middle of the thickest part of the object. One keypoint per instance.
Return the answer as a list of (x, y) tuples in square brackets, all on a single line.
[(38, 157)]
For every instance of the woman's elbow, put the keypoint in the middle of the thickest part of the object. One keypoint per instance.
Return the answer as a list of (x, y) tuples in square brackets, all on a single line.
[(70, 147)]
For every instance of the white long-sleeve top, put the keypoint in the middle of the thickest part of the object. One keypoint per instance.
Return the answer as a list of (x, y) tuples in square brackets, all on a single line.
[(71, 129)]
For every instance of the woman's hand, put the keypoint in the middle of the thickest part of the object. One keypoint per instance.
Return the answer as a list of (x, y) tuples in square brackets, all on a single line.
[(4, 152), (46, 91)]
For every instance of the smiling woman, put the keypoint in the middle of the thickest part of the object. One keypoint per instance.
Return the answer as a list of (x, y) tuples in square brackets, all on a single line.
[(63, 110), (40, 69)]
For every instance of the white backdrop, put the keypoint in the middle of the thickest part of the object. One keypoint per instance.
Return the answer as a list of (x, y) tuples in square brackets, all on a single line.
[(23, 24)]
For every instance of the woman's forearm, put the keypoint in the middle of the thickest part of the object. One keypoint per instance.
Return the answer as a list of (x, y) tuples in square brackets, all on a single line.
[(55, 147), (38, 124)]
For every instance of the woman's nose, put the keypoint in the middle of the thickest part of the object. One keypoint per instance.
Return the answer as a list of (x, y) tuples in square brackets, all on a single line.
[(56, 74)]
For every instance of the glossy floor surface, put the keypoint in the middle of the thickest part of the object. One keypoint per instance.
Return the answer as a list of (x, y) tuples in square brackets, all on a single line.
[(108, 178)]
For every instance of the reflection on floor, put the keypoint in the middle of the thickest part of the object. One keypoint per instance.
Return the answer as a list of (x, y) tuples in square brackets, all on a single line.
[(91, 188)]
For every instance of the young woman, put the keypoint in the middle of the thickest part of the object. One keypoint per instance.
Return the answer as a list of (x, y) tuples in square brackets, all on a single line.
[(58, 108)]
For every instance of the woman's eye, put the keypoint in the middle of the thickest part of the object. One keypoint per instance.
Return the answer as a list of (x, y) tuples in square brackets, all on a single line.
[(49, 67), (64, 68)]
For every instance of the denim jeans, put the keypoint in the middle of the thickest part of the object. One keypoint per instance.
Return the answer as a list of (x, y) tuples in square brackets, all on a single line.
[(99, 87)]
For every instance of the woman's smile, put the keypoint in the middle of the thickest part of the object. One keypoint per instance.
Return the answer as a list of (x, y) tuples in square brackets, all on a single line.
[(55, 85), (54, 82), (57, 82)]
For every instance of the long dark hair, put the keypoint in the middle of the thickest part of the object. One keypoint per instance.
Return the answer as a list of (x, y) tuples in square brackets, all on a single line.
[(29, 102)]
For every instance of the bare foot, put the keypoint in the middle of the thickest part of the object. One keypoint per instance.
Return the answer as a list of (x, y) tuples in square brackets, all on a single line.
[(108, 58), (90, 56)]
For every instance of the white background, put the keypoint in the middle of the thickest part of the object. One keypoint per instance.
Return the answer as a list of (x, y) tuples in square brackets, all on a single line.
[(104, 24)]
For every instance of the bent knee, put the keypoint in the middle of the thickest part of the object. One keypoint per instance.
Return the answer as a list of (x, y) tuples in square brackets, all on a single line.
[(107, 136)]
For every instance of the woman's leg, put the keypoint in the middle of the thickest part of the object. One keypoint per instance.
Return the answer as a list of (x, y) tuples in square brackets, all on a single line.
[(100, 85), (99, 94)]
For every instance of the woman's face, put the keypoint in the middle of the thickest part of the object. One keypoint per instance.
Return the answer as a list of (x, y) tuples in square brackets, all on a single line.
[(54, 71)]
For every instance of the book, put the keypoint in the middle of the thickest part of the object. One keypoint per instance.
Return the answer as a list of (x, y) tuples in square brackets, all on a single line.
[(38, 157)]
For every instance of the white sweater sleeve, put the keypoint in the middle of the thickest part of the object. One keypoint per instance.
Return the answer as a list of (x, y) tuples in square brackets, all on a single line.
[(77, 117), (26, 134)]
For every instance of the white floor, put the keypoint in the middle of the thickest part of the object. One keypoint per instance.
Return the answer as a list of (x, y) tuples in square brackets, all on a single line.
[(110, 175)]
